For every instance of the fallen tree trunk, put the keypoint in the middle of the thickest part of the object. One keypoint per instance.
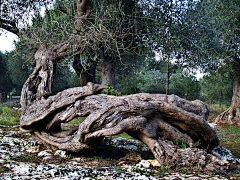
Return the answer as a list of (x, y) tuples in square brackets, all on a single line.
[(155, 119)]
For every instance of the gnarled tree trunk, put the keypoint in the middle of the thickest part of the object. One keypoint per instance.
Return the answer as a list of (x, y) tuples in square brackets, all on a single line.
[(106, 68), (232, 115), (155, 119)]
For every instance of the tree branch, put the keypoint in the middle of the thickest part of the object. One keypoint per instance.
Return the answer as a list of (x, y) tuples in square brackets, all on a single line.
[(10, 26)]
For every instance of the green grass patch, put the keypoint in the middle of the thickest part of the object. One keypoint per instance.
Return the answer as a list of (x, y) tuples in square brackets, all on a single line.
[(229, 129), (229, 137), (9, 116), (123, 135)]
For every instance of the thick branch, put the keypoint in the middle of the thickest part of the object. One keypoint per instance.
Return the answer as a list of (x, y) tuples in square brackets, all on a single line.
[(10, 26)]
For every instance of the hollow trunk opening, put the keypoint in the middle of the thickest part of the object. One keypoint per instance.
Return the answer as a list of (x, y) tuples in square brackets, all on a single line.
[(85, 74)]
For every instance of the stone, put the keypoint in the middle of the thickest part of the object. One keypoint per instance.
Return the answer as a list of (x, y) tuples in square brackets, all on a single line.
[(213, 125), (23, 169), (144, 164), (71, 169), (155, 163), (44, 153), (61, 153), (47, 158), (33, 149)]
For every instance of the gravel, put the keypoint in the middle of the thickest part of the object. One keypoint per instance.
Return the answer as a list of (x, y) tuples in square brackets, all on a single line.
[(15, 149)]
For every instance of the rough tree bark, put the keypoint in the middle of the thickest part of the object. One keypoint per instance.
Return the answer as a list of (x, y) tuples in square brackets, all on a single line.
[(167, 80), (106, 68), (232, 115), (155, 119)]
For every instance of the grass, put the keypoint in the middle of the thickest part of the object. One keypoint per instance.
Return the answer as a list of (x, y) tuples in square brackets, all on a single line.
[(9, 116), (77, 121), (230, 138), (123, 135), (230, 129)]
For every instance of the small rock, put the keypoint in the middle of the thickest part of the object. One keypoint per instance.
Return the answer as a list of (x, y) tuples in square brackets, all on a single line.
[(23, 169), (213, 125), (76, 159), (144, 164), (53, 172), (60, 153), (155, 163), (142, 177), (33, 149), (47, 158), (193, 178), (44, 153)]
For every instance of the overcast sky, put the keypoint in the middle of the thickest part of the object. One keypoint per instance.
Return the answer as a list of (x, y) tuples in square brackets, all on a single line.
[(6, 41)]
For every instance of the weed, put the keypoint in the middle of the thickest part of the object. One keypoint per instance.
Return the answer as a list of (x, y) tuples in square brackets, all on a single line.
[(110, 91), (4, 170), (161, 171), (119, 169), (27, 158), (69, 156), (180, 144)]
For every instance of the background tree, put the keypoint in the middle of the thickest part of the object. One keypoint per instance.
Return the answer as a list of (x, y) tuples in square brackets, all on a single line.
[(215, 28), (220, 91), (5, 82), (184, 85), (19, 67)]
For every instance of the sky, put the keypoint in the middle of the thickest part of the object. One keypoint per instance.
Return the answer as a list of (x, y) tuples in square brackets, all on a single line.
[(6, 41)]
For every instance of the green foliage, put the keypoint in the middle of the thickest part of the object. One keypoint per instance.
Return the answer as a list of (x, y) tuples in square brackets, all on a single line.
[(142, 171), (217, 87), (13, 92), (9, 116), (5, 81), (27, 158), (74, 80), (162, 170), (229, 137), (110, 91), (181, 144), (19, 68), (152, 81)]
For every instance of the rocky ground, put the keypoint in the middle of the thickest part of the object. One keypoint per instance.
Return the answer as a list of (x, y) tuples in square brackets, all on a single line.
[(22, 157)]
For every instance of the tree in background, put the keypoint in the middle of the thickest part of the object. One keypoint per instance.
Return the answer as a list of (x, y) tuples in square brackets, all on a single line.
[(19, 67), (215, 28), (184, 85), (5, 82), (220, 91)]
